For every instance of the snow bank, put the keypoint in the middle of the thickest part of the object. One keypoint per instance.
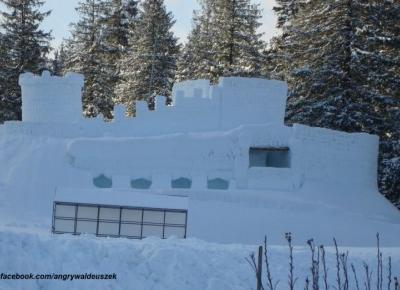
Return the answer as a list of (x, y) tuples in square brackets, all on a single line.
[(155, 264)]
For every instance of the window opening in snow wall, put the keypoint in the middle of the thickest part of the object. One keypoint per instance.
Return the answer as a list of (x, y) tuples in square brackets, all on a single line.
[(278, 157)]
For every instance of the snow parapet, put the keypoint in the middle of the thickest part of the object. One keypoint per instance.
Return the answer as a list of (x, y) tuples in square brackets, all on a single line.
[(233, 102)]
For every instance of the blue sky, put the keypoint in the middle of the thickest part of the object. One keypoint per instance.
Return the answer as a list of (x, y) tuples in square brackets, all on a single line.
[(63, 13)]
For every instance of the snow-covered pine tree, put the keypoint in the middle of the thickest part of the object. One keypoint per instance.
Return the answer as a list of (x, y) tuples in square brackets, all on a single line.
[(148, 69), (86, 51), (341, 64), (377, 59), (286, 10), (7, 108), (197, 59), (224, 41), (186, 63), (118, 24), (58, 63), (26, 47), (276, 64), (237, 43)]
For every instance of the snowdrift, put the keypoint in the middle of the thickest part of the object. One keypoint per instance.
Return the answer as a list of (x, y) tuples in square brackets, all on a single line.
[(156, 264)]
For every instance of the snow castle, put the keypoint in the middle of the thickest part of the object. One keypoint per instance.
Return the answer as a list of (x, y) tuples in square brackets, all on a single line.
[(219, 164)]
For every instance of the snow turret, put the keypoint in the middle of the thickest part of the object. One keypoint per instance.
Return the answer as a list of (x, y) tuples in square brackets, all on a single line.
[(51, 99)]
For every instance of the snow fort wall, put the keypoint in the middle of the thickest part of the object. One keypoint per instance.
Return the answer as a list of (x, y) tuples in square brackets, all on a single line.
[(197, 106), (51, 99), (339, 158)]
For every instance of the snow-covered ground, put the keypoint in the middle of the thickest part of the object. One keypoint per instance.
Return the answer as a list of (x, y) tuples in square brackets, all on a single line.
[(156, 264)]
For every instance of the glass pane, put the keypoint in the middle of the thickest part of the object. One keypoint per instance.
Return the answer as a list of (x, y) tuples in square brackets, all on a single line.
[(152, 231), (178, 232), (178, 218), (86, 227), (130, 230), (153, 216), (109, 213), (65, 210), (132, 215), (64, 226), (87, 212), (108, 229)]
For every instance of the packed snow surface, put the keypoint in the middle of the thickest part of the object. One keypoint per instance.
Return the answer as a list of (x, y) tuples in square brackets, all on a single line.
[(157, 264)]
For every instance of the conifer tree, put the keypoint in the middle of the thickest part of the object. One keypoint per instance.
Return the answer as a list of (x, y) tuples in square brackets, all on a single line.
[(24, 47), (86, 52), (376, 55), (7, 107), (224, 41), (286, 10), (58, 63), (238, 44), (148, 69), (197, 59), (277, 64), (118, 25)]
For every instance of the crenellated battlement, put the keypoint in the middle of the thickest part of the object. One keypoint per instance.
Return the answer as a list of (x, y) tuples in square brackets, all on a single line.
[(46, 79), (197, 104)]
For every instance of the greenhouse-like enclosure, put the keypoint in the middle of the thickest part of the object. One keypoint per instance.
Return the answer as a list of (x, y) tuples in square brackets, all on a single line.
[(122, 220)]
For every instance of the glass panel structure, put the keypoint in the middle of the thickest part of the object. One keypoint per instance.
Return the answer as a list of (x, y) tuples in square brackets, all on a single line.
[(114, 221)]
